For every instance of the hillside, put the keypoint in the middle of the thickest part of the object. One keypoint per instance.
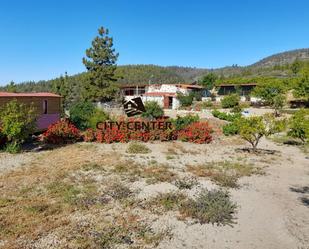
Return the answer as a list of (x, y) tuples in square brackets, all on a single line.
[(276, 65), (287, 57)]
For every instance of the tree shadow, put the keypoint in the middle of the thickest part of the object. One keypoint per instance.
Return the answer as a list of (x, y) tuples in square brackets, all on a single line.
[(257, 151), (304, 192)]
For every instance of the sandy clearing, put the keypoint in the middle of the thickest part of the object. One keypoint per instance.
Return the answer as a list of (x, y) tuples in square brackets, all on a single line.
[(273, 212)]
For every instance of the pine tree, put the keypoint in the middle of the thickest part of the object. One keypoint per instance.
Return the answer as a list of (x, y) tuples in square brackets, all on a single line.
[(61, 87), (11, 87), (101, 65)]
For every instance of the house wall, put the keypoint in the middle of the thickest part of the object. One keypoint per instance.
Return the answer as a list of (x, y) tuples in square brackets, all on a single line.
[(158, 99), (167, 88), (44, 120), (53, 104)]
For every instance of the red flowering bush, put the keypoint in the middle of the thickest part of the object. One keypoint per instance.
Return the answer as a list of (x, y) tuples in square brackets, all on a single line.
[(199, 132), (61, 132), (89, 135), (125, 130)]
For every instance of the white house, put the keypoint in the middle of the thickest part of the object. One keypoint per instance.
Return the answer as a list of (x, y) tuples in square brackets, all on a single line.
[(164, 94)]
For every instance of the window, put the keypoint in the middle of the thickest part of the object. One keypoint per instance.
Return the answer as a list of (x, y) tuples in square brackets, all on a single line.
[(45, 107)]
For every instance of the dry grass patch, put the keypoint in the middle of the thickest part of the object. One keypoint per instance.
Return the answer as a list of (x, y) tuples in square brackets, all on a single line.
[(137, 148), (153, 173), (225, 174), (165, 202)]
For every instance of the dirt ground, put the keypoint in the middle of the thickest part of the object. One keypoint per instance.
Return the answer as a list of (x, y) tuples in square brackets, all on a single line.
[(272, 208)]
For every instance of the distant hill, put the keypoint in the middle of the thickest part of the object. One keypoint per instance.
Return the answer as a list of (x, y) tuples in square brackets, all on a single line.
[(276, 65), (287, 57)]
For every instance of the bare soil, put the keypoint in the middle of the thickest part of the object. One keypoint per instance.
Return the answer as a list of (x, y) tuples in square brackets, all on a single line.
[(63, 198)]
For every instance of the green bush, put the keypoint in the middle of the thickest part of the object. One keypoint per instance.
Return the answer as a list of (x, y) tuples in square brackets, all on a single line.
[(18, 121), (213, 206), (226, 116), (230, 129), (197, 95), (237, 109), (230, 101), (97, 116), (299, 125), (80, 114), (183, 122), (153, 110), (207, 104), (185, 100)]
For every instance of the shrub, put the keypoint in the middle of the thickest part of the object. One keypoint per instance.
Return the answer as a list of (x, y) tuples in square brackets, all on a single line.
[(137, 148), (186, 183), (230, 129), (80, 114), (230, 101), (182, 122), (18, 121), (226, 116), (197, 95), (299, 125), (252, 129), (97, 116), (237, 109), (212, 206), (61, 132), (207, 104), (153, 110), (185, 100), (198, 132)]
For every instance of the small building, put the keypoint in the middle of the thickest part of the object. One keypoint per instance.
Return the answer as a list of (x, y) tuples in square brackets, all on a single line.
[(244, 90), (47, 106), (164, 94)]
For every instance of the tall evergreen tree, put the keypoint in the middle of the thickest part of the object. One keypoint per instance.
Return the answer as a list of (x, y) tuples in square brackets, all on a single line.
[(101, 65), (61, 87), (11, 87)]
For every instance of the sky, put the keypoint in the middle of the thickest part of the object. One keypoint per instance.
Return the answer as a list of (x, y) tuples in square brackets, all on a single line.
[(42, 39)]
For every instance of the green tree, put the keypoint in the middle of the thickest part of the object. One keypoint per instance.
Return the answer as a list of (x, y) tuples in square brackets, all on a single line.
[(299, 125), (153, 110), (252, 129), (61, 87), (18, 121), (301, 89), (272, 93), (296, 66), (11, 87), (278, 103), (101, 65), (208, 81), (185, 99)]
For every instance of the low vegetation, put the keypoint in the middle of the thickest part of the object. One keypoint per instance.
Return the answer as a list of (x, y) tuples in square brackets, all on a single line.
[(225, 174), (152, 110), (137, 148), (18, 122), (230, 101), (186, 183), (213, 207)]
